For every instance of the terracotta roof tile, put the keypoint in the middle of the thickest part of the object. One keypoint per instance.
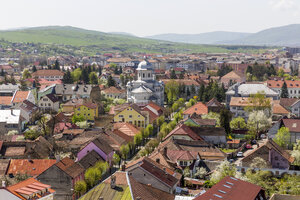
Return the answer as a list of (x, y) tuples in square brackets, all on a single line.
[(199, 108), (183, 129), (47, 73), (5, 100), (234, 189), (20, 96), (32, 167)]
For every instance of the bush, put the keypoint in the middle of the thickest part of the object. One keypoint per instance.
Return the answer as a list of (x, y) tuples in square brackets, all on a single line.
[(32, 134)]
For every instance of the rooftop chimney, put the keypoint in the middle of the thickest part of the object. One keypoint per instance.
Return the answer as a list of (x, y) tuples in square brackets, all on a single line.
[(3, 184), (113, 182), (157, 160)]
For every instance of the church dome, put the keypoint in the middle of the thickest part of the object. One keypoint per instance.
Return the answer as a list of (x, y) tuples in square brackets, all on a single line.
[(144, 65)]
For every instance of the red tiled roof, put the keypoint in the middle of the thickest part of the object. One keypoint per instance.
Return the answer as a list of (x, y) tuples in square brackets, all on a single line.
[(20, 96), (230, 188), (292, 124), (113, 90), (183, 129), (70, 167), (29, 187), (199, 108), (5, 100), (32, 167), (49, 72), (126, 128)]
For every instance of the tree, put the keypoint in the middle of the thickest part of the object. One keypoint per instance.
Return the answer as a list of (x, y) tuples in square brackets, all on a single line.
[(280, 72), (222, 170), (31, 134), (201, 92), (200, 172), (296, 155), (67, 78), (44, 126), (224, 69), (258, 162), (225, 118), (193, 90), (186, 172), (93, 78), (92, 176), (77, 118), (124, 149), (85, 76), (283, 137), (116, 159), (110, 81), (100, 71), (80, 187), (188, 93), (26, 74), (175, 107), (34, 68), (284, 91), (258, 122), (76, 74), (137, 139), (149, 129), (173, 74), (238, 123), (102, 166), (181, 76), (56, 65), (258, 102), (172, 90)]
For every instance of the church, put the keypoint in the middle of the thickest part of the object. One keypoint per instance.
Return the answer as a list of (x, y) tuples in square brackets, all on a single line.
[(146, 88)]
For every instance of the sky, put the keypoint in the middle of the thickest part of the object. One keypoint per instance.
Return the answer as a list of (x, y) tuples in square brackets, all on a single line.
[(150, 17)]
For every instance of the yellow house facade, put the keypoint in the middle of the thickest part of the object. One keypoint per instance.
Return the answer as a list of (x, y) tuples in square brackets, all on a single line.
[(88, 112), (133, 115), (81, 108)]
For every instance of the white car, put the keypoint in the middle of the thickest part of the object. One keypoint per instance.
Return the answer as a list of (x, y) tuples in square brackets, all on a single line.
[(239, 154)]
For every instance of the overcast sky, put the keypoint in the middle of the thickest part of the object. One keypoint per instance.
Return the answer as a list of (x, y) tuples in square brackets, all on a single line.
[(149, 17)]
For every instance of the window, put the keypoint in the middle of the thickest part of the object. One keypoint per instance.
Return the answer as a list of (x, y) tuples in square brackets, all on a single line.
[(130, 116), (49, 104), (143, 75), (41, 104), (148, 75), (181, 163), (185, 163), (121, 116), (276, 158)]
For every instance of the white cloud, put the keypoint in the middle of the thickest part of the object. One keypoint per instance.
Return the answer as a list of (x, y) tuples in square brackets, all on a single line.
[(285, 5)]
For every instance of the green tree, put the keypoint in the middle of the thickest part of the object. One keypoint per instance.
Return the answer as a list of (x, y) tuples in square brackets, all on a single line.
[(102, 166), (92, 176), (225, 118), (76, 74), (76, 119), (200, 172), (116, 159), (173, 74), (258, 122), (222, 170), (93, 78), (201, 92), (56, 65), (34, 68), (238, 123), (172, 90), (124, 149), (67, 78), (80, 187), (137, 139), (31, 134), (26, 74), (110, 81), (283, 137), (280, 72), (284, 91), (85, 76), (258, 102)]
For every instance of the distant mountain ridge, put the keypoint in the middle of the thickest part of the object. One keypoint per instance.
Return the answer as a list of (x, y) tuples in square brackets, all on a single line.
[(278, 36), (217, 37)]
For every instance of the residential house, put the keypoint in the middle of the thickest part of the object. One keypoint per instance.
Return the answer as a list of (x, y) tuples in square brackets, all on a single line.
[(247, 89), (237, 106), (121, 185), (131, 113), (153, 109), (230, 188), (21, 96), (199, 109), (293, 87), (29, 111), (292, 124), (49, 102), (5, 102), (279, 111), (114, 93), (121, 62), (214, 106), (10, 120), (30, 167), (81, 108), (231, 78), (49, 75), (205, 150), (8, 89), (90, 159), (213, 135), (101, 146), (66, 92), (292, 105), (31, 189), (63, 176), (7, 69), (125, 130), (272, 153), (149, 172)]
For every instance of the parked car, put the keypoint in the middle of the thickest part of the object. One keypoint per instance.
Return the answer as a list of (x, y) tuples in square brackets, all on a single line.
[(263, 136), (239, 154), (253, 142), (248, 146)]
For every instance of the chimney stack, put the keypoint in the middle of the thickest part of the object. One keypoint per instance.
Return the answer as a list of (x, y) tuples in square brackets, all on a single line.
[(3, 184), (11, 111), (157, 160)]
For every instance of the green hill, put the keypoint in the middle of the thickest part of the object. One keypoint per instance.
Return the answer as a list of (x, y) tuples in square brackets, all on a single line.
[(90, 42)]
